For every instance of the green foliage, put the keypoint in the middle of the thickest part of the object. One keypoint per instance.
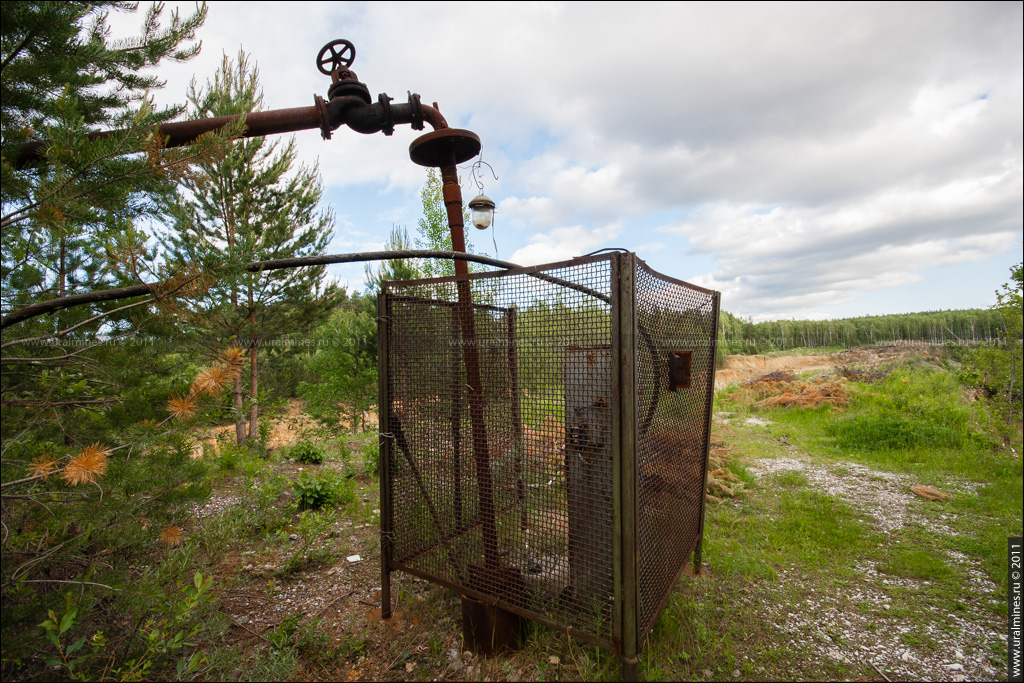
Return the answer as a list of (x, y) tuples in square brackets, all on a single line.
[(434, 233), (301, 636), (1000, 367), (249, 206), (92, 471), (911, 410), (323, 490), (308, 453), (164, 638), (433, 227), (394, 269), (311, 529), (344, 365), (371, 459), (972, 326)]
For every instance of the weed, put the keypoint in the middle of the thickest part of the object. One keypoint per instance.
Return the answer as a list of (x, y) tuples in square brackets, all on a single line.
[(307, 453), (312, 527), (351, 648), (371, 459)]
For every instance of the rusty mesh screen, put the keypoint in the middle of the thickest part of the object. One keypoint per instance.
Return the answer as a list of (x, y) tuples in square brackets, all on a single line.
[(676, 326), (541, 429), (500, 421)]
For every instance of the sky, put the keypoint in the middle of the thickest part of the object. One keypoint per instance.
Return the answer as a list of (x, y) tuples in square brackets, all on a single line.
[(808, 160)]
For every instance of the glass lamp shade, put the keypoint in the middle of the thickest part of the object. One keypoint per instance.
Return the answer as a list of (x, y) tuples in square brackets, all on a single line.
[(481, 211)]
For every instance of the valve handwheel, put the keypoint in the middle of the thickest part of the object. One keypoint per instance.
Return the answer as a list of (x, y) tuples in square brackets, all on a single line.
[(335, 55)]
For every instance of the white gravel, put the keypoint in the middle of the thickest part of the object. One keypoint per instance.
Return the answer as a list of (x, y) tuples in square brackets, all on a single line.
[(865, 621)]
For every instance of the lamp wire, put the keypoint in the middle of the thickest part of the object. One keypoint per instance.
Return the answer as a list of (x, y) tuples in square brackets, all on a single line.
[(476, 175)]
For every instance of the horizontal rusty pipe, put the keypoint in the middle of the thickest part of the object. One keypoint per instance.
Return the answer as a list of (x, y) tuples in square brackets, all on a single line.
[(327, 116), (179, 133)]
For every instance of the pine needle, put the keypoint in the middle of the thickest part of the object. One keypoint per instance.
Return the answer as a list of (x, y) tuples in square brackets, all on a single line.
[(181, 407), (172, 535), (211, 380), (86, 467), (43, 466)]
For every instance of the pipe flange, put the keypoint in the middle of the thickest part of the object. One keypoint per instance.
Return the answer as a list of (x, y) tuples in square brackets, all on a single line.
[(416, 111), (325, 121), (444, 147), (388, 125)]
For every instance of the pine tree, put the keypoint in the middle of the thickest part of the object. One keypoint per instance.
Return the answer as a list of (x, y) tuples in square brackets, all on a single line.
[(85, 452), (69, 224), (249, 206), (434, 231)]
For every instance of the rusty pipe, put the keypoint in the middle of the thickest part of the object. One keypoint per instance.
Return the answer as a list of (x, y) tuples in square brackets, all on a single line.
[(347, 110)]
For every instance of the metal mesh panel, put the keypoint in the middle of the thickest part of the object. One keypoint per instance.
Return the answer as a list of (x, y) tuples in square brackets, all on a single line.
[(501, 415), (675, 326), (540, 345)]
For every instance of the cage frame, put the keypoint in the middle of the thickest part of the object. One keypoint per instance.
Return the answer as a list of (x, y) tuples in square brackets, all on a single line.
[(627, 632)]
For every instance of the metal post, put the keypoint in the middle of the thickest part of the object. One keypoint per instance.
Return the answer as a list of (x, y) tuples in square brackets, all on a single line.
[(624, 285), (698, 553), (384, 473)]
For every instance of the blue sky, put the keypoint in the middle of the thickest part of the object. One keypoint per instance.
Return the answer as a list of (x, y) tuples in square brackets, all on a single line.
[(809, 160)]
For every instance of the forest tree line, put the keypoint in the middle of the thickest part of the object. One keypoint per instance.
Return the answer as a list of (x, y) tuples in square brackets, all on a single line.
[(968, 326)]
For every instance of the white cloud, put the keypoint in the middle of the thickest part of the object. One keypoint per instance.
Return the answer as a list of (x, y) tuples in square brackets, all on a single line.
[(813, 150), (564, 243)]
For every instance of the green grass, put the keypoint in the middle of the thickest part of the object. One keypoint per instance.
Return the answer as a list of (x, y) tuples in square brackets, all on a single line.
[(916, 423)]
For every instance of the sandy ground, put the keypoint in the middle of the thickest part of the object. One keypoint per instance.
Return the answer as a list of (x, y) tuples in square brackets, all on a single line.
[(744, 368)]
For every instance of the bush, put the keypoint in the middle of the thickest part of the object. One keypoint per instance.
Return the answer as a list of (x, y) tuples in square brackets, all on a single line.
[(316, 492), (308, 453)]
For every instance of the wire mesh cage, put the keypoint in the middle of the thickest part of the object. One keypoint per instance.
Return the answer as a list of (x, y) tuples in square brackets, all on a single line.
[(544, 439)]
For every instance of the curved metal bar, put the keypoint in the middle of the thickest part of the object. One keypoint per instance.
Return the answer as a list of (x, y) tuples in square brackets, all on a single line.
[(98, 296)]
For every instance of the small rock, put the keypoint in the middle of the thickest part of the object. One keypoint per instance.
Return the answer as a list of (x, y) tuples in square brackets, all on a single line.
[(293, 537), (410, 667), (453, 654), (955, 667), (554, 661), (959, 654), (735, 673), (242, 620), (905, 656)]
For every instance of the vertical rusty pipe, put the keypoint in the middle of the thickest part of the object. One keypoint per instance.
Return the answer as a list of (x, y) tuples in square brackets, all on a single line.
[(456, 424), (517, 416), (452, 194)]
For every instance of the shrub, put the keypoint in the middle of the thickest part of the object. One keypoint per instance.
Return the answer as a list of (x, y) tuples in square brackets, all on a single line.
[(308, 453), (316, 492)]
